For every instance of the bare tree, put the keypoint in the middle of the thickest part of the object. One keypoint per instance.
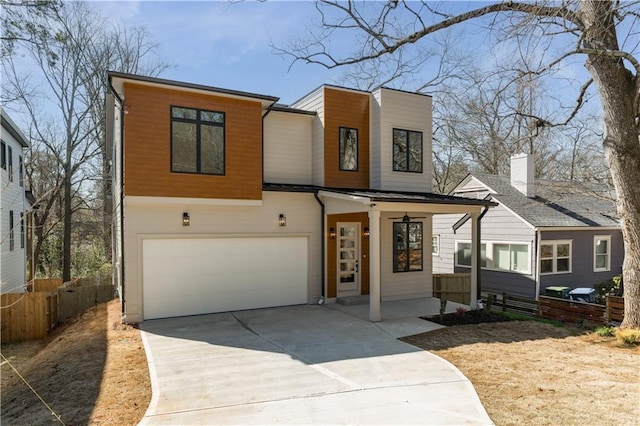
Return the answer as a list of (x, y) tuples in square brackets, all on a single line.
[(603, 32)]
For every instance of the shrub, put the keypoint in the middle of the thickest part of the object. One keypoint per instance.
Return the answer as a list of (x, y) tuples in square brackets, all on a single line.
[(460, 311), (630, 336), (610, 287), (605, 331)]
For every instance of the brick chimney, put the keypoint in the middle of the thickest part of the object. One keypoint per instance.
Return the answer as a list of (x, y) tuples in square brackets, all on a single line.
[(522, 173)]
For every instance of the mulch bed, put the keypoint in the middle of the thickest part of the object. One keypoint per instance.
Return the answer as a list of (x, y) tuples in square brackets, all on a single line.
[(467, 317)]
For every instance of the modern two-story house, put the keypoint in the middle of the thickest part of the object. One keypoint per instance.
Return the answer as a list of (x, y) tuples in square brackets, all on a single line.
[(15, 207), (227, 200), (543, 233)]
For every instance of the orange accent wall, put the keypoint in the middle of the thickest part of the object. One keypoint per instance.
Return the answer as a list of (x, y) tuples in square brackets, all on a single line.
[(345, 109), (147, 146), (332, 252)]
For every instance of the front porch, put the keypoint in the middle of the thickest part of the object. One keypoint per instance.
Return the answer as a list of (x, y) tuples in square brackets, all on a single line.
[(401, 317)]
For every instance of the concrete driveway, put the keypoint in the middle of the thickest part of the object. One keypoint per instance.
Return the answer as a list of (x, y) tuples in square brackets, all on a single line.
[(298, 365)]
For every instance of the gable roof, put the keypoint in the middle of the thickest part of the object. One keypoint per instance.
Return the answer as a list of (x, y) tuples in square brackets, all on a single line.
[(556, 203), (13, 129)]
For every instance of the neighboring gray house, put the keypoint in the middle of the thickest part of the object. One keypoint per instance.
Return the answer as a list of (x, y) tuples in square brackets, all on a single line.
[(542, 233)]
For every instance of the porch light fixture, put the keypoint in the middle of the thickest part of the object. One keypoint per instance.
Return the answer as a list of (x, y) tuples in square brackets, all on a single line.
[(282, 220), (366, 232), (186, 220), (332, 233)]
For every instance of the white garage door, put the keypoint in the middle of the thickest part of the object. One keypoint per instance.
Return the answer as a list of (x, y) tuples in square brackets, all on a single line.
[(198, 276)]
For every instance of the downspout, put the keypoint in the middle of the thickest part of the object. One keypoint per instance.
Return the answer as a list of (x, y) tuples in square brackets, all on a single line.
[(538, 239), (322, 247), (262, 158), (478, 250), (122, 280)]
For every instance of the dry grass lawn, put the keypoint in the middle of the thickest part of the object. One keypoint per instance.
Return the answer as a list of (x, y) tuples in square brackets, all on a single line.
[(93, 371), (530, 373)]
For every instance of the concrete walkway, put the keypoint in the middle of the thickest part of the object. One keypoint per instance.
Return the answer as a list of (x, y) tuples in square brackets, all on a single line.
[(298, 365)]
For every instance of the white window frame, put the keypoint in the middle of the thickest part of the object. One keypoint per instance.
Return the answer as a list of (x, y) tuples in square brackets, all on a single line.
[(555, 244), (597, 238), (436, 239), (489, 255)]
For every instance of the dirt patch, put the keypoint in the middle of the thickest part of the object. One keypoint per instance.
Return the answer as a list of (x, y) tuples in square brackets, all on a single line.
[(465, 317), (92, 371), (527, 372)]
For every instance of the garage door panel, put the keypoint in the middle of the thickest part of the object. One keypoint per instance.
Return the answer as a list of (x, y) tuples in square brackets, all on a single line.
[(196, 276)]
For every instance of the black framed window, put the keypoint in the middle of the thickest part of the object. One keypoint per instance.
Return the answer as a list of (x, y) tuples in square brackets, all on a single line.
[(21, 230), (3, 155), (407, 151), (20, 170), (197, 141), (11, 233), (10, 162), (348, 149), (407, 246)]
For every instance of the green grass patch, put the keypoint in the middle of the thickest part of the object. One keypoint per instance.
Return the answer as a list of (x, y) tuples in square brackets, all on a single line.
[(605, 331)]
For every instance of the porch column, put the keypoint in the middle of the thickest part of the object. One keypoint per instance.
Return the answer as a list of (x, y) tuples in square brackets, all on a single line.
[(374, 266), (475, 259)]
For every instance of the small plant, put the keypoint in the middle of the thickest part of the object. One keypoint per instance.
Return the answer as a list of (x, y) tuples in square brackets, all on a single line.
[(630, 336), (460, 312), (605, 331), (443, 308), (610, 287)]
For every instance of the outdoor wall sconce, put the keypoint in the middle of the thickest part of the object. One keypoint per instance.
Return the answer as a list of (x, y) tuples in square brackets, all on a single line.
[(332, 233), (186, 220), (282, 220), (366, 232)]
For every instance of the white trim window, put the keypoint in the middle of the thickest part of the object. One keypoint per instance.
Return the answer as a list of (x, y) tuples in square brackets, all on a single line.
[(502, 256), (555, 257), (601, 253), (435, 245)]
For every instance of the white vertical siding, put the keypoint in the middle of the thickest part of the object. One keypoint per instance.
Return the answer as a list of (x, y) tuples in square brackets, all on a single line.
[(407, 111), (314, 102), (404, 285), (375, 118), (165, 219), (287, 148), (13, 264)]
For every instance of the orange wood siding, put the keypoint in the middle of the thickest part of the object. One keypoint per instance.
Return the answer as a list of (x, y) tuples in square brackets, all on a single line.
[(147, 147), (332, 251), (345, 109)]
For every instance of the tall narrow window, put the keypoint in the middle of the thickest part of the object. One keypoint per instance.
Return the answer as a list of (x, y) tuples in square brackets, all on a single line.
[(601, 253), (407, 246), (21, 230), (10, 162), (20, 170), (348, 149), (11, 232), (197, 141), (407, 151), (435, 245), (3, 155)]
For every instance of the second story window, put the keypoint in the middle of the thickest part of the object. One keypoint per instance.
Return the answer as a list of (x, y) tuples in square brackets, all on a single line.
[(3, 154), (10, 162), (407, 151), (21, 170), (348, 149), (197, 141)]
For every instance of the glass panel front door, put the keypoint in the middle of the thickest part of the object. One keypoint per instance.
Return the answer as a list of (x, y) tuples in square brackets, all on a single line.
[(348, 241)]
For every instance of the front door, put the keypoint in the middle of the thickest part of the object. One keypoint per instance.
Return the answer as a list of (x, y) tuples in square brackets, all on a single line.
[(348, 258)]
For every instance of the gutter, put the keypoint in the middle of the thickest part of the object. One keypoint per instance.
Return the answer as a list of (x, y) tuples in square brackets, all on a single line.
[(322, 247), (122, 266)]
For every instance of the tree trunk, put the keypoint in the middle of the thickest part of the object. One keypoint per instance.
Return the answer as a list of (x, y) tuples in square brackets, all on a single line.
[(617, 90), (66, 251)]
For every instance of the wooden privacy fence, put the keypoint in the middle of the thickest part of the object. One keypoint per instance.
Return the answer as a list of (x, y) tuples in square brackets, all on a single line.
[(452, 287), (571, 310), (28, 316), (45, 284), (508, 303), (615, 308)]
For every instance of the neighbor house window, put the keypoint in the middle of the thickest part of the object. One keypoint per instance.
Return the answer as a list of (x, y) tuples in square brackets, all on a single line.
[(407, 246), (348, 149), (511, 257), (555, 257), (11, 225), (601, 253), (20, 170), (435, 245), (21, 230), (463, 254), (407, 151), (10, 162), (197, 141), (3, 155)]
